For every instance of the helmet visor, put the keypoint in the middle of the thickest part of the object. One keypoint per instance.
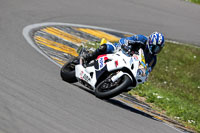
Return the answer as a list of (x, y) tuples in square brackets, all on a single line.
[(156, 49)]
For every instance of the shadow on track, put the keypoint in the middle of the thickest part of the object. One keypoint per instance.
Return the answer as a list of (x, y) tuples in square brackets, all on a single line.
[(129, 108), (119, 104)]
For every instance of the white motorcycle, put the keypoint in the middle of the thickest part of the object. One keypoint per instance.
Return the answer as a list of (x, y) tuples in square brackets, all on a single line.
[(110, 74)]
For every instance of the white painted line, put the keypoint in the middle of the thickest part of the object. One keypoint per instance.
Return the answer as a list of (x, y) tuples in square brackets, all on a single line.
[(33, 26), (26, 34), (29, 28)]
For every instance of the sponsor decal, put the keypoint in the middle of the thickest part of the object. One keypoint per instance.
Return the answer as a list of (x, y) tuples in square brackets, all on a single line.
[(101, 62), (86, 78)]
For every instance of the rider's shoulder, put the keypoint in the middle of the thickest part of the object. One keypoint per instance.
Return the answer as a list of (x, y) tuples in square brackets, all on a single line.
[(138, 37), (141, 37)]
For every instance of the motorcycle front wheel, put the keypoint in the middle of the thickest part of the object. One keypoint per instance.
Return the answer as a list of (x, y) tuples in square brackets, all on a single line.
[(103, 91)]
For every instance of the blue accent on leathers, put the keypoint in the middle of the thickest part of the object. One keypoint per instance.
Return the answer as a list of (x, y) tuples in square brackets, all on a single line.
[(136, 39)]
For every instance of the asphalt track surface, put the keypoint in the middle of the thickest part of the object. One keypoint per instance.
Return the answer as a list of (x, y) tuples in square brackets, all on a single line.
[(34, 99)]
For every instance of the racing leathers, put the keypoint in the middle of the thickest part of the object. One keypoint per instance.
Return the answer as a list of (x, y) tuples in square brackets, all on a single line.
[(136, 42)]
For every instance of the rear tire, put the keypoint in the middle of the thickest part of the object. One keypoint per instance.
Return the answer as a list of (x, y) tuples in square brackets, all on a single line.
[(67, 72), (125, 83)]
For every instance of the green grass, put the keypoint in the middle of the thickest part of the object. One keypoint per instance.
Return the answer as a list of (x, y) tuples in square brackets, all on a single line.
[(195, 1), (174, 84)]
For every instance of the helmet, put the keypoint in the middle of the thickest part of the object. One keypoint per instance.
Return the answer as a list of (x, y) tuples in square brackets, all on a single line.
[(155, 43)]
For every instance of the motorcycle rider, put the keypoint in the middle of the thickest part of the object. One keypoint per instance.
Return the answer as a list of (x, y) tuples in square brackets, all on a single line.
[(151, 47)]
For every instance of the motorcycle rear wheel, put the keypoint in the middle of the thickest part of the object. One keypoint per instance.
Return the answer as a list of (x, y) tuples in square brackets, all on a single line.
[(67, 72), (124, 84)]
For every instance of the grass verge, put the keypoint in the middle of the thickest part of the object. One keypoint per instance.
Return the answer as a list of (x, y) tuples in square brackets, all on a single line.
[(194, 1), (174, 84)]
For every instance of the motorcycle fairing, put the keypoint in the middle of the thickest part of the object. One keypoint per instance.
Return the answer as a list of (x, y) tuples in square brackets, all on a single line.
[(84, 74), (110, 62)]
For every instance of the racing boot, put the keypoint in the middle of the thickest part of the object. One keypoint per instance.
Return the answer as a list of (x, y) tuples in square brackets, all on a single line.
[(91, 56)]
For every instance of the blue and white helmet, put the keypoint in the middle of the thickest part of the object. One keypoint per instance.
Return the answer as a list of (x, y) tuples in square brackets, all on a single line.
[(156, 42)]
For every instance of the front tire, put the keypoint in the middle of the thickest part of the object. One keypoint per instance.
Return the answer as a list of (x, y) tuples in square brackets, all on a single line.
[(125, 82), (67, 72)]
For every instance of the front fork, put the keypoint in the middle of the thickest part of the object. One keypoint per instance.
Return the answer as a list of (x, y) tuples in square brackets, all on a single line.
[(119, 75)]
